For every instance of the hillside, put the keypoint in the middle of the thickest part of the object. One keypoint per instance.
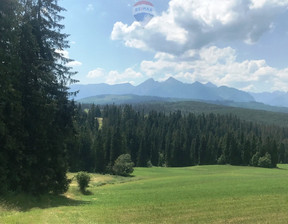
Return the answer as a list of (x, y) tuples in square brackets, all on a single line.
[(136, 99), (123, 99), (253, 115), (253, 111), (276, 98)]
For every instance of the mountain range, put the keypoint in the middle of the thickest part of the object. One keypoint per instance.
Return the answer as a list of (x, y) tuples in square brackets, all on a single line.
[(172, 88)]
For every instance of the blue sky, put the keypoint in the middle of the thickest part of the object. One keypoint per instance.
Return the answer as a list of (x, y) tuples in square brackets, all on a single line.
[(237, 43)]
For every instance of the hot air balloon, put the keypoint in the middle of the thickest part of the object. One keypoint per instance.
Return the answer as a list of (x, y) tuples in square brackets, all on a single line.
[(143, 11)]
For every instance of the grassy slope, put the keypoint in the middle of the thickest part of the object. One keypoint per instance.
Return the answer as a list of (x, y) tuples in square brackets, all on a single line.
[(202, 194)]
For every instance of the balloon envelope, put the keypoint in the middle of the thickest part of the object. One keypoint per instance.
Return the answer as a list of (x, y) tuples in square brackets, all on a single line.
[(143, 11)]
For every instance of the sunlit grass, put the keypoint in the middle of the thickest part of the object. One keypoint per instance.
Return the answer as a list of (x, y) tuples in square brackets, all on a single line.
[(201, 194)]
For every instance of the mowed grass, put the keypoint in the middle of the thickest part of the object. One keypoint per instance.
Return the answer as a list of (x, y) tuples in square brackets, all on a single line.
[(201, 194)]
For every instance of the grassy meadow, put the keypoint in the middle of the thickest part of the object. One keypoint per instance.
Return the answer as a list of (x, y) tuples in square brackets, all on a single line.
[(200, 194)]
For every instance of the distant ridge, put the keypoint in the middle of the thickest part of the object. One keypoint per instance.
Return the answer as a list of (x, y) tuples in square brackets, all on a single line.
[(276, 98), (171, 88)]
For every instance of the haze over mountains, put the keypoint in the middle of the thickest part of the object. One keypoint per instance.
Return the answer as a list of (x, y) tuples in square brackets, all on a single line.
[(172, 88)]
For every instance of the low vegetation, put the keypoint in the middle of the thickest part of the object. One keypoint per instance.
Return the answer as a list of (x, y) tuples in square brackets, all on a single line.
[(200, 194), (123, 165), (83, 179)]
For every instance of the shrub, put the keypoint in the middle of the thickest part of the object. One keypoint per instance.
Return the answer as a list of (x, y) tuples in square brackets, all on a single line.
[(123, 165), (265, 161), (83, 179), (149, 164)]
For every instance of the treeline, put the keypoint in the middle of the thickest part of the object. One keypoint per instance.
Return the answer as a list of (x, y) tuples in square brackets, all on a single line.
[(36, 117), (173, 139)]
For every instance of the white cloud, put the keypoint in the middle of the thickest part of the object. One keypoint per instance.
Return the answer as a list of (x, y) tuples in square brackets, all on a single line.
[(209, 64), (219, 66), (193, 24), (115, 77), (74, 63), (97, 73), (183, 39), (129, 74)]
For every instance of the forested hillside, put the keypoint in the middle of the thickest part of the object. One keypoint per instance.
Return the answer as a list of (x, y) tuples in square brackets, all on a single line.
[(264, 115), (174, 139)]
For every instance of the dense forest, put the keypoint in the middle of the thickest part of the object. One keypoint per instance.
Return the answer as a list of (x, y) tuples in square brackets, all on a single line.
[(173, 139)]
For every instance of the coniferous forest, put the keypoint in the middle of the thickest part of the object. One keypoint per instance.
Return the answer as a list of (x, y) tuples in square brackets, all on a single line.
[(43, 134), (172, 139)]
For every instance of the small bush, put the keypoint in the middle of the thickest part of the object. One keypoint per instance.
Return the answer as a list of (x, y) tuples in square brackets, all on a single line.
[(149, 164), (123, 165), (83, 179), (265, 161)]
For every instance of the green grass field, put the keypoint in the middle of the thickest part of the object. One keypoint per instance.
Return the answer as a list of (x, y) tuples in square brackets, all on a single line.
[(201, 194)]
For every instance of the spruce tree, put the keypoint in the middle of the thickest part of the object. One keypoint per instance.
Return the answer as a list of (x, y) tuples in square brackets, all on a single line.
[(46, 113)]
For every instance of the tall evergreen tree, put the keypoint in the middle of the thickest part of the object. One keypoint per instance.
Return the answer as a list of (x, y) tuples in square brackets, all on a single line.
[(35, 153)]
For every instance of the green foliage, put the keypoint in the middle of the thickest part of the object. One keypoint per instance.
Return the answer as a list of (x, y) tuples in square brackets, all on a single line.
[(172, 140), (83, 179), (35, 113), (265, 161), (10, 106), (264, 115), (255, 159), (123, 165), (149, 164)]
